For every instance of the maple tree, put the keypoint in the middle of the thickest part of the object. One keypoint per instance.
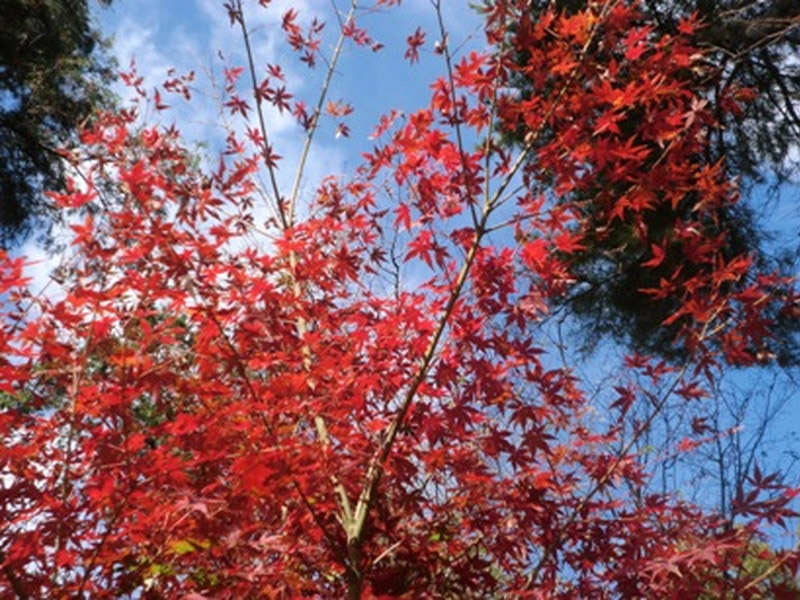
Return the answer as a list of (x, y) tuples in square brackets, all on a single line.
[(220, 407), (745, 45)]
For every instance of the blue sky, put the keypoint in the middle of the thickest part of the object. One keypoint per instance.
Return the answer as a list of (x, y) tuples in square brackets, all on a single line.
[(196, 35), (189, 35)]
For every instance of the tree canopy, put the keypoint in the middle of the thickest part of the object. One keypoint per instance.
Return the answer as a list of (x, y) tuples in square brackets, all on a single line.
[(236, 394), (750, 47), (53, 75)]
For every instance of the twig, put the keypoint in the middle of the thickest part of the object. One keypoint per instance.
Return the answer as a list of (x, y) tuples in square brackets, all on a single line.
[(260, 113), (298, 177)]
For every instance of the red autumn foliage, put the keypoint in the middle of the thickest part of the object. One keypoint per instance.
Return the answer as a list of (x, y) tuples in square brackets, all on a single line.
[(220, 409)]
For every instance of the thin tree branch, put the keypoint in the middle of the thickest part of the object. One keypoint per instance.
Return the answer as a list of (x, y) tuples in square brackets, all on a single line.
[(298, 177), (260, 112), (375, 469), (455, 121)]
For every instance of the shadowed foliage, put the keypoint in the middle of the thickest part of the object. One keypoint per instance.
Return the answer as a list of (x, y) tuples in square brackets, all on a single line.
[(53, 75), (751, 50)]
